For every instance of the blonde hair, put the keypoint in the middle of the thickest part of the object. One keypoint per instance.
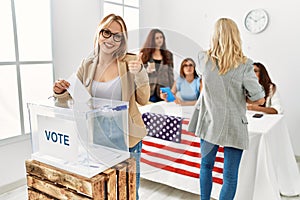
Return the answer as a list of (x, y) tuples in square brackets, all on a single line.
[(105, 22), (226, 46)]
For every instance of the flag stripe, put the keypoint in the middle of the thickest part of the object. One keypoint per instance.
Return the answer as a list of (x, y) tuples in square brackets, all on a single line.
[(219, 158), (180, 151), (178, 160), (187, 132), (171, 169), (170, 158), (178, 170), (190, 143), (185, 121)]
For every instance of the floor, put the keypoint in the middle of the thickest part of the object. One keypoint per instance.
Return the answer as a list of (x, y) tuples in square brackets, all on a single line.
[(149, 190)]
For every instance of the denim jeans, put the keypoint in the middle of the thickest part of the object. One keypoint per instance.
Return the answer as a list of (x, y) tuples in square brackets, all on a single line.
[(232, 158), (136, 153), (108, 132)]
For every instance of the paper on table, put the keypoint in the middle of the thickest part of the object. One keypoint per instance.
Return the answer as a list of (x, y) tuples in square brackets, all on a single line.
[(77, 90), (168, 108)]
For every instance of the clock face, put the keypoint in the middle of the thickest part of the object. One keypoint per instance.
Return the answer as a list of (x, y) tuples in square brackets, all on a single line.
[(256, 20)]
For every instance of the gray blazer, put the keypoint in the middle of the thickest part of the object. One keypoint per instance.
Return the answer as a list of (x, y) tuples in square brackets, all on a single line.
[(220, 114)]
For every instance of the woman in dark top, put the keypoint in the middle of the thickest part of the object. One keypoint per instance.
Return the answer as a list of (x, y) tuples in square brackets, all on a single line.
[(272, 104), (159, 63)]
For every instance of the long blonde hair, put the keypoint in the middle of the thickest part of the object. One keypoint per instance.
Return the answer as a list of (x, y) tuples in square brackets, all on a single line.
[(226, 46), (105, 22)]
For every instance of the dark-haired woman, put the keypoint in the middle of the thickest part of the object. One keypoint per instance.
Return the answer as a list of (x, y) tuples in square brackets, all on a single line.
[(158, 61), (272, 104)]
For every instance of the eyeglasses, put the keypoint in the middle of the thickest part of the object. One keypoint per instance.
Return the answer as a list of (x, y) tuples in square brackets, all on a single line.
[(107, 34), (188, 65)]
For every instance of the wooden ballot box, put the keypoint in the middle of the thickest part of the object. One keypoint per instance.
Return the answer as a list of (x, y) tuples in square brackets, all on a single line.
[(47, 182)]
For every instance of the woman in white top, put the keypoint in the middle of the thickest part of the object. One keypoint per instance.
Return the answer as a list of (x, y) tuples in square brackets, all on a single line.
[(272, 104), (111, 72)]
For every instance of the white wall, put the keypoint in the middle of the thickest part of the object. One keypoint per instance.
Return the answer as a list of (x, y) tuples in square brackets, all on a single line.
[(73, 27), (276, 47)]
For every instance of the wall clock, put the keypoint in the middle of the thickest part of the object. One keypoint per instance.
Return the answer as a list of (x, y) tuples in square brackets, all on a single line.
[(256, 20)]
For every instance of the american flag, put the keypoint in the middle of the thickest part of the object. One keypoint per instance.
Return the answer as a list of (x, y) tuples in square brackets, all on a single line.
[(177, 163), (163, 126)]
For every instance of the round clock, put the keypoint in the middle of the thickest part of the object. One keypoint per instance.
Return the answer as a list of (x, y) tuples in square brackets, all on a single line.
[(256, 20)]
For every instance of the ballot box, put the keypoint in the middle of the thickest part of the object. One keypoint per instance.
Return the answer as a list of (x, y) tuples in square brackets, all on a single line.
[(85, 138)]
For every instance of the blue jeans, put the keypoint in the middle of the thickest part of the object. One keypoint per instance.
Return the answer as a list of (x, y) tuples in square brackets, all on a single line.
[(108, 131), (232, 158), (136, 153)]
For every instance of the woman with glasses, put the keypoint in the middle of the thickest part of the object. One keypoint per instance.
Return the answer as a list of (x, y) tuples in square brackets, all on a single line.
[(187, 87), (272, 104), (220, 115), (112, 73), (158, 61)]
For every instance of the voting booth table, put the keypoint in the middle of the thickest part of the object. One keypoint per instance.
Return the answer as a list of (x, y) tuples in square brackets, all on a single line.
[(80, 151)]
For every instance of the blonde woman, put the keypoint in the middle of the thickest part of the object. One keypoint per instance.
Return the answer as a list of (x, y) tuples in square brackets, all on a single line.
[(111, 73), (220, 115)]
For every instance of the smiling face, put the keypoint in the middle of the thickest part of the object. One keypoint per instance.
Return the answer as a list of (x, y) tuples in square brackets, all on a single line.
[(109, 45)]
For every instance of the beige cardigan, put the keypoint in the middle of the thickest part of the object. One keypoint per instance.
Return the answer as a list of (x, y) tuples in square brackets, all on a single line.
[(135, 89)]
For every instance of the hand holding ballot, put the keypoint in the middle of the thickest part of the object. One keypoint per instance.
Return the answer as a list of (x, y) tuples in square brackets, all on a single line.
[(60, 86), (111, 73), (74, 87)]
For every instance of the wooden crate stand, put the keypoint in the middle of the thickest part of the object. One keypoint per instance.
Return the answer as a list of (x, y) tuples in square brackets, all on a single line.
[(47, 182)]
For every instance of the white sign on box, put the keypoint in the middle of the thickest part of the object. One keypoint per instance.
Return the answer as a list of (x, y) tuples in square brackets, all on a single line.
[(57, 138)]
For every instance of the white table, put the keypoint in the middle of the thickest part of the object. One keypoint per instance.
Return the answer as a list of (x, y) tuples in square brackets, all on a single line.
[(268, 168)]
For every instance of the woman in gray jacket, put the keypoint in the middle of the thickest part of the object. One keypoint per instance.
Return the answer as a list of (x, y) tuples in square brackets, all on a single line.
[(220, 115)]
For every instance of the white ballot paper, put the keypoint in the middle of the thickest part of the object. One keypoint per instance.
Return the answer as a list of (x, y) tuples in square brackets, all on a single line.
[(77, 89)]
